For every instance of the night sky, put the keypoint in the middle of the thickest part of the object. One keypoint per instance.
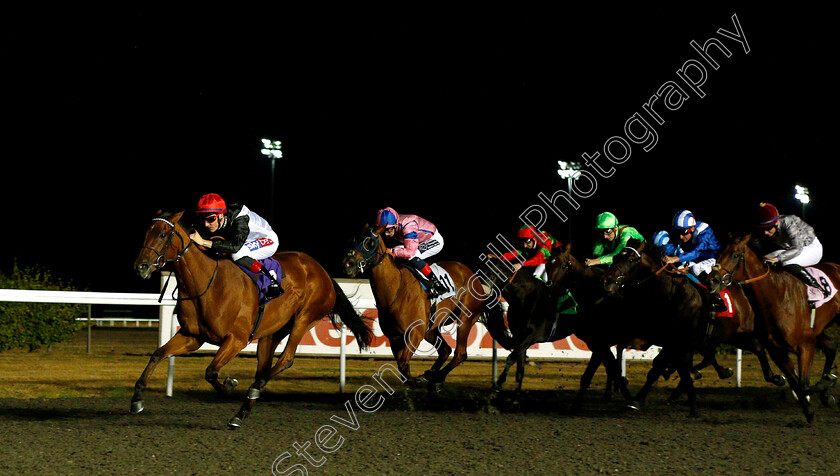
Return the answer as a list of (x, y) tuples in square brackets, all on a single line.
[(459, 117)]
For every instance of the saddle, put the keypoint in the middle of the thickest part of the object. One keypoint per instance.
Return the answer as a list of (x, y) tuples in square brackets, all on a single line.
[(261, 280), (441, 274)]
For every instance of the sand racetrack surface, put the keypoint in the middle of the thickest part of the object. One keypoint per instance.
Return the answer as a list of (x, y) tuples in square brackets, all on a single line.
[(66, 412), (743, 431)]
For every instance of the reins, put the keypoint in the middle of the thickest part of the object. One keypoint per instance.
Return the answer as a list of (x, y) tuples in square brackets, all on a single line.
[(377, 258), (162, 261), (742, 261)]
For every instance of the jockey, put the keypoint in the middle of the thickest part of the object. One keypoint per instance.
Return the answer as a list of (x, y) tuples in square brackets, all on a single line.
[(246, 236), (420, 240), (538, 246), (699, 246), (788, 240), (614, 239)]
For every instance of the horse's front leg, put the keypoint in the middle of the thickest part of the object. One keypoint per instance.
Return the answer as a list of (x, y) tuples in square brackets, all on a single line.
[(230, 347), (265, 371), (434, 337), (782, 359), (179, 344)]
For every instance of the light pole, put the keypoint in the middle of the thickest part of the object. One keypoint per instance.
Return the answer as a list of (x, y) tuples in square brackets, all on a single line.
[(271, 149), (802, 195), (569, 171)]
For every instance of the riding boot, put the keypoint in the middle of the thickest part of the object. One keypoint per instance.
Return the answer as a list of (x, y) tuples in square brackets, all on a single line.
[(274, 289), (436, 286), (718, 304), (433, 285), (806, 277)]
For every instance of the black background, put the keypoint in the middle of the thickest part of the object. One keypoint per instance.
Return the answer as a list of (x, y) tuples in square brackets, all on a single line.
[(457, 116)]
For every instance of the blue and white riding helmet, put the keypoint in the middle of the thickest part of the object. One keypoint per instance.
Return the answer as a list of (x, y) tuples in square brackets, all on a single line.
[(684, 219), (661, 238)]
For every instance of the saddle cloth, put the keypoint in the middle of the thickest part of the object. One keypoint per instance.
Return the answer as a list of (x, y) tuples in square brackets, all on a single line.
[(816, 296), (262, 281), (442, 275), (724, 295)]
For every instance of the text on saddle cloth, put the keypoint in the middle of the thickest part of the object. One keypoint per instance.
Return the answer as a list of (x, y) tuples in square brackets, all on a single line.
[(815, 295), (443, 276), (724, 295)]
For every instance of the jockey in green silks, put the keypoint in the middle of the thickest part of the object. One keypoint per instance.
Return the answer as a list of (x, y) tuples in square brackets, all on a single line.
[(614, 239)]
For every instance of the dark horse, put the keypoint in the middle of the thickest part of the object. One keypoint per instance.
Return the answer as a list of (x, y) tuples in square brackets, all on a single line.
[(781, 300), (600, 322), (674, 310), (218, 304), (532, 316), (405, 310)]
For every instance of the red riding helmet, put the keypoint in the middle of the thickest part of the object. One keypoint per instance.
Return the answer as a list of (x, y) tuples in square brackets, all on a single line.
[(211, 203), (766, 216)]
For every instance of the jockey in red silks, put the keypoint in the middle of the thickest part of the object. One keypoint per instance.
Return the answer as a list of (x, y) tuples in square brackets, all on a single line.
[(538, 246), (246, 236), (420, 240)]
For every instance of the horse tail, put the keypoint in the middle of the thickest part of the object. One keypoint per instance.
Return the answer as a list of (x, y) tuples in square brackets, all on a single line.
[(356, 323), (493, 319)]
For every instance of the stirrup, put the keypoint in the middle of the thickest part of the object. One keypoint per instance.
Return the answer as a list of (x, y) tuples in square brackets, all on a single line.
[(274, 290)]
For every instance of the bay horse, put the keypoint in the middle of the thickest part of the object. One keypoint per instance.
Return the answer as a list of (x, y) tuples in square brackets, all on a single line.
[(218, 303), (405, 310), (781, 300)]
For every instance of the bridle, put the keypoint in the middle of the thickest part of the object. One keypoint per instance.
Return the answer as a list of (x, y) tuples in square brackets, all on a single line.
[(368, 247), (161, 260), (621, 278), (726, 278)]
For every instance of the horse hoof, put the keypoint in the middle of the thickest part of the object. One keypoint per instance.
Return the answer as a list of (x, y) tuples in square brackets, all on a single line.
[(635, 406), (830, 378), (435, 388), (137, 406), (828, 400), (229, 384), (795, 396), (726, 373), (417, 382), (696, 375), (779, 380), (235, 423)]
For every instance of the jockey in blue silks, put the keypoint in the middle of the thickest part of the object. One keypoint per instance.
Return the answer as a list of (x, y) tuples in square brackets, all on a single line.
[(698, 246), (696, 251)]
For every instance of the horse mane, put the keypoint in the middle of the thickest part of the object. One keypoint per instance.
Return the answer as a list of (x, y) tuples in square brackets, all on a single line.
[(186, 224)]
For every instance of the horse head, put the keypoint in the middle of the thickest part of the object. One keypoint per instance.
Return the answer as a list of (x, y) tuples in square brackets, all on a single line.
[(368, 251), (732, 259), (561, 265), (625, 267), (160, 245)]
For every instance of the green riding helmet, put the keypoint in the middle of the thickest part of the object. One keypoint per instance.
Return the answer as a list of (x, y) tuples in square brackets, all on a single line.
[(606, 221)]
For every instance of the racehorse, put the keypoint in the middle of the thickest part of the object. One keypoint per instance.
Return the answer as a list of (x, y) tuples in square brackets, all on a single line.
[(218, 303), (674, 311), (737, 330), (405, 313), (532, 317), (600, 322), (781, 300)]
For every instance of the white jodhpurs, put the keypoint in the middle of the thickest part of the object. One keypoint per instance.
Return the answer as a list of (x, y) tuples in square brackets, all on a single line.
[(811, 255)]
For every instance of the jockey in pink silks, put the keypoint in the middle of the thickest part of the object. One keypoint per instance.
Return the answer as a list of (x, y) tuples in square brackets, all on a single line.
[(420, 240)]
